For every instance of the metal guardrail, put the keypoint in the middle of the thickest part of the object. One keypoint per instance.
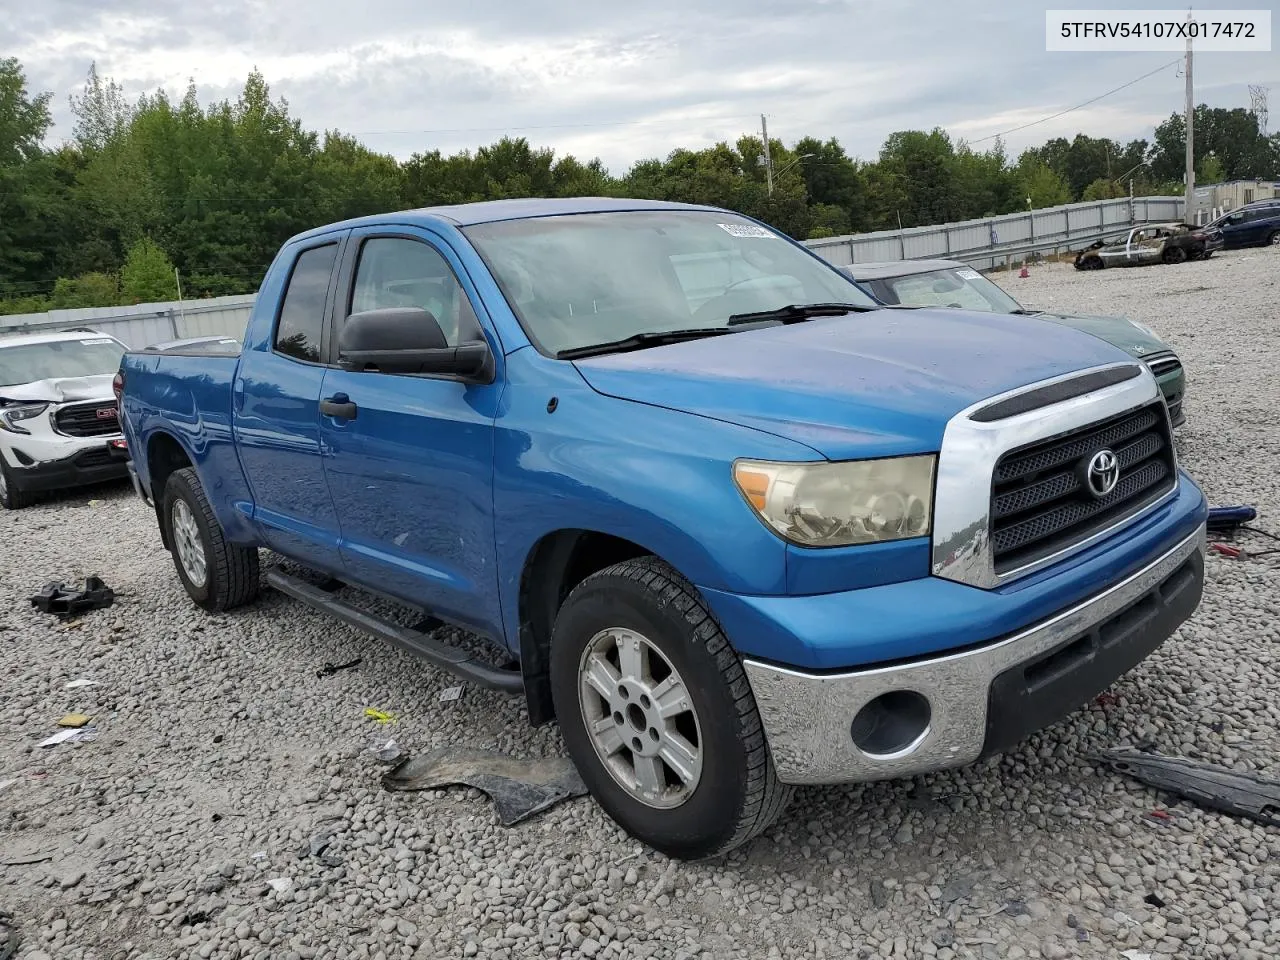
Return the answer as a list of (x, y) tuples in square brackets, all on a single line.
[(991, 240)]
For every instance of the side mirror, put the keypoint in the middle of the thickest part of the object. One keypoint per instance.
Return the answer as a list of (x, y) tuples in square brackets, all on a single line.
[(409, 340)]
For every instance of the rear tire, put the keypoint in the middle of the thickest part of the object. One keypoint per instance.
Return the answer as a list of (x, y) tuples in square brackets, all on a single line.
[(721, 788), (217, 575), (1173, 255), (11, 498)]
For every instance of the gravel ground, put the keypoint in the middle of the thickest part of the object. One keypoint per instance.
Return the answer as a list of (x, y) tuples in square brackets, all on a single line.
[(220, 753)]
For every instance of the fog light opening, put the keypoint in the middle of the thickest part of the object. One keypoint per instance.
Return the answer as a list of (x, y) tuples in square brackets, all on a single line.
[(892, 725)]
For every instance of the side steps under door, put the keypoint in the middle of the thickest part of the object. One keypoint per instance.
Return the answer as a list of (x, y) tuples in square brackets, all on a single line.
[(455, 660)]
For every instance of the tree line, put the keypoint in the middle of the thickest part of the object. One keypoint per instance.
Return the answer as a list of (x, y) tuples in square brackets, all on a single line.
[(143, 188)]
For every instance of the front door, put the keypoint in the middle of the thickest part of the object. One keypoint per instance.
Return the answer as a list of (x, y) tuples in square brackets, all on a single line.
[(412, 473), (277, 416)]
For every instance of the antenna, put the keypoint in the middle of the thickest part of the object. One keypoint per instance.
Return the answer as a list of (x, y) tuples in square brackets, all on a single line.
[(1258, 105)]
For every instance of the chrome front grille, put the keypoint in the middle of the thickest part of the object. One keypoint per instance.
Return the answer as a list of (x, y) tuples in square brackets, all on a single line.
[(1043, 500), (1159, 366)]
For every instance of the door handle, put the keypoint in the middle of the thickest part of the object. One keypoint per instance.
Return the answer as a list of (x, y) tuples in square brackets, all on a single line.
[(339, 406)]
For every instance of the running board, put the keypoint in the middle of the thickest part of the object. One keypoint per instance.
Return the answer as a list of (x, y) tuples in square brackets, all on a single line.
[(453, 659)]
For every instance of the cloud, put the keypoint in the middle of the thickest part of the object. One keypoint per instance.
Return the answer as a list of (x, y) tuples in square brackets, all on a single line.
[(587, 77)]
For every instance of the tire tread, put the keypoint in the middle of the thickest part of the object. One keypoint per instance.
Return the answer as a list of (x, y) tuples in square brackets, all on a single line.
[(766, 796)]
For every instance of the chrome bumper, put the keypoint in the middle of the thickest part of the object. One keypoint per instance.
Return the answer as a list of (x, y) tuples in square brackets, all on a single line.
[(807, 717)]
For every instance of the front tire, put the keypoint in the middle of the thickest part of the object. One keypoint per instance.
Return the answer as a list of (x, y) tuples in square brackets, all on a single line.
[(11, 498), (657, 713), (217, 575), (1173, 255), (1089, 263), (1273, 238)]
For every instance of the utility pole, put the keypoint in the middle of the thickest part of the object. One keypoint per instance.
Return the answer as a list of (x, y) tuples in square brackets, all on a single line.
[(1191, 138), (768, 162)]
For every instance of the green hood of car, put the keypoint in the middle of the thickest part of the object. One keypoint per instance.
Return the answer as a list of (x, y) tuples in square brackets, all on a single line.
[(1115, 330)]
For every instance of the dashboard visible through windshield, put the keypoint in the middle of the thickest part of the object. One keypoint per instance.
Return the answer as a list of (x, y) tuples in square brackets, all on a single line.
[(586, 279)]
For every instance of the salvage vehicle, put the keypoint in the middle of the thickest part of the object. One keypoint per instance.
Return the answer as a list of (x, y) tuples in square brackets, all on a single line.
[(1254, 224), (949, 283), (1153, 243), (58, 418), (729, 522)]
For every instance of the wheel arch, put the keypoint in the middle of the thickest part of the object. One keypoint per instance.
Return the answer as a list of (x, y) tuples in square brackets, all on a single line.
[(165, 456), (558, 562)]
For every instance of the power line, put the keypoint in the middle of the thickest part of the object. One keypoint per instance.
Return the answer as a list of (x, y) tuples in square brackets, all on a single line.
[(1063, 113)]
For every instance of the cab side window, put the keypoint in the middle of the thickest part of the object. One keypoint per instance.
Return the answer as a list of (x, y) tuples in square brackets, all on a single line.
[(302, 312), (400, 272)]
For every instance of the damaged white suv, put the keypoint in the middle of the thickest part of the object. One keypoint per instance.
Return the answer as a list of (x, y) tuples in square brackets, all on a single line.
[(58, 421)]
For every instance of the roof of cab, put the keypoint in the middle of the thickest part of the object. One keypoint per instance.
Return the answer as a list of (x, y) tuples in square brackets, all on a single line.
[(897, 268), (490, 211)]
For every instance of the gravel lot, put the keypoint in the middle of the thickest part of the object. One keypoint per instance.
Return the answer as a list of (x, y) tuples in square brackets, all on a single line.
[(220, 753)]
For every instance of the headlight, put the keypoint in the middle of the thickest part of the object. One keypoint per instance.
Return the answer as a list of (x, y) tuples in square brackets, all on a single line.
[(837, 504), (10, 417), (1145, 329)]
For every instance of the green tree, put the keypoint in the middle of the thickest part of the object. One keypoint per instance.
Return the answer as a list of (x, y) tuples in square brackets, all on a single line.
[(90, 290), (1038, 182), (147, 275)]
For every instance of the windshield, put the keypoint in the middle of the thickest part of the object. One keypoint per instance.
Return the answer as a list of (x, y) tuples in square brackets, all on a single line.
[(29, 362), (950, 287), (587, 279)]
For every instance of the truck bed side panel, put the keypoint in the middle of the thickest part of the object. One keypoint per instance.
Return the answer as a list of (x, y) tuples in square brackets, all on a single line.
[(188, 398)]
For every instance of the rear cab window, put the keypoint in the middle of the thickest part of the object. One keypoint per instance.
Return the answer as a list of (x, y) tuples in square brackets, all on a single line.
[(302, 317)]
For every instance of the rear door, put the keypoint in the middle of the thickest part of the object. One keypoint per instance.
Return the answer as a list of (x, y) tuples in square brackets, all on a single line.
[(277, 417), (412, 473)]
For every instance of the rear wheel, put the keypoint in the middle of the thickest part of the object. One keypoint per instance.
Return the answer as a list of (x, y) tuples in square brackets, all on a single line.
[(216, 574), (658, 715), (1174, 255), (11, 498)]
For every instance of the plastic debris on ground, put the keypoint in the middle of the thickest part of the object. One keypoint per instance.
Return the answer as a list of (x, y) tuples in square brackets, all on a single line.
[(1218, 788), (79, 684), (329, 669), (8, 936), (71, 735), (385, 749), (62, 601), (519, 788), (320, 847), (379, 716), (449, 694)]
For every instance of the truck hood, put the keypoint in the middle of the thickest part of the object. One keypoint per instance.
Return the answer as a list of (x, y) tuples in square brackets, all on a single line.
[(61, 390), (1115, 330), (883, 383)]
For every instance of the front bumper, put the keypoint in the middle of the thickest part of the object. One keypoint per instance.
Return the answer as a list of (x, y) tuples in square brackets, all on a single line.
[(984, 698), (96, 464)]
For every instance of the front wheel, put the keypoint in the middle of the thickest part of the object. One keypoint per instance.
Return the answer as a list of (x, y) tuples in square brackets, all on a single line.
[(11, 498), (1089, 263), (658, 715), (1174, 255), (1274, 238), (217, 575)]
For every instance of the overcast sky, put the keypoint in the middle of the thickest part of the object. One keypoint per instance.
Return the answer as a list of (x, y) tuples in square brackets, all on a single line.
[(596, 78)]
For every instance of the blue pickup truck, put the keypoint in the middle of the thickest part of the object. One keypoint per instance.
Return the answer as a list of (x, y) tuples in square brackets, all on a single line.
[(729, 522)]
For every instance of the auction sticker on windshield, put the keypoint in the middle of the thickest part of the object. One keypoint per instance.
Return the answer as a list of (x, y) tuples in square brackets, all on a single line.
[(745, 230), (89, 343), (966, 274)]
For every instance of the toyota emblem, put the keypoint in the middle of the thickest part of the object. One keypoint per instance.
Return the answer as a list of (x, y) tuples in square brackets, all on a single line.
[(1103, 473)]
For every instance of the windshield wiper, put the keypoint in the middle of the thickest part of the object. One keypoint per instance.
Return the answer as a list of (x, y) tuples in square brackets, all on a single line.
[(638, 341), (796, 312)]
